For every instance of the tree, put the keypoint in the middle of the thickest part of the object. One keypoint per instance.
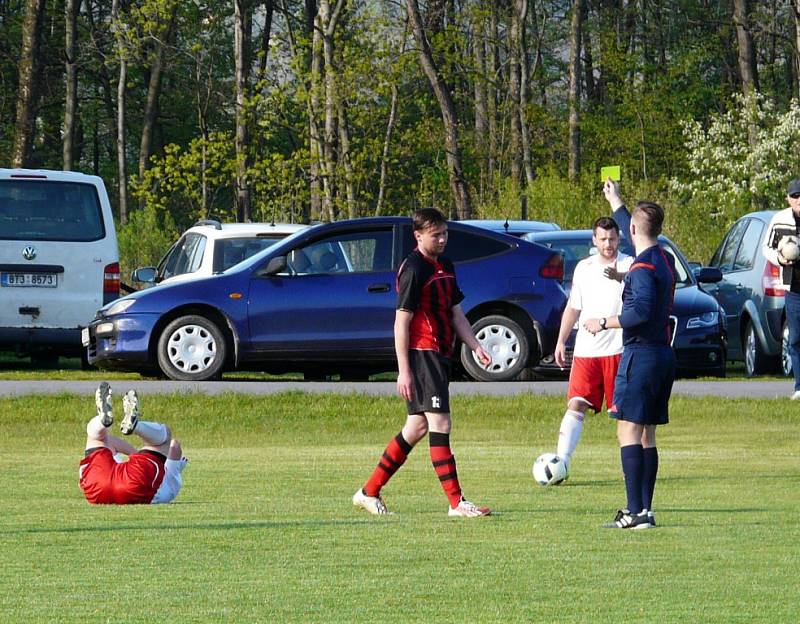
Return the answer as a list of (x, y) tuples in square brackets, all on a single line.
[(575, 91), (458, 185), (71, 80), (27, 91)]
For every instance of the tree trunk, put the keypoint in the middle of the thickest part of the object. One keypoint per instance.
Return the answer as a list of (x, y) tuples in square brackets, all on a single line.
[(344, 157), (387, 139), (313, 106), (747, 56), (575, 91), (241, 46), (514, 91), (525, 135), (122, 79), (747, 63), (481, 112), (153, 90), (796, 8), (458, 185), (493, 68), (71, 8), (27, 92), (588, 63)]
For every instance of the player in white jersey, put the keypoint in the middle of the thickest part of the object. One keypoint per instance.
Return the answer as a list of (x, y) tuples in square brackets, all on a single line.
[(595, 357)]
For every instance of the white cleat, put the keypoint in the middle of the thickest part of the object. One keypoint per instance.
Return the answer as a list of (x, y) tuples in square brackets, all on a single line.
[(130, 407), (465, 509), (373, 504), (796, 395), (102, 399)]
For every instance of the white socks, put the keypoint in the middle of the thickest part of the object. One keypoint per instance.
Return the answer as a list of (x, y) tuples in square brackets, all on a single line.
[(569, 434), (95, 429), (155, 434)]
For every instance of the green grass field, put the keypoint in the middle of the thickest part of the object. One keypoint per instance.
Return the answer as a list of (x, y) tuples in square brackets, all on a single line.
[(264, 530)]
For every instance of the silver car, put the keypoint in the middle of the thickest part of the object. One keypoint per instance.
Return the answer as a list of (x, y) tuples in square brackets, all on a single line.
[(752, 294)]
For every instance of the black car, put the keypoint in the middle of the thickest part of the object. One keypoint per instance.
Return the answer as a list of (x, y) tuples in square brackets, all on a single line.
[(699, 337)]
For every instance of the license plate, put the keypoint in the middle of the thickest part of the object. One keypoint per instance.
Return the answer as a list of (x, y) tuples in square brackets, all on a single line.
[(85, 337), (29, 280)]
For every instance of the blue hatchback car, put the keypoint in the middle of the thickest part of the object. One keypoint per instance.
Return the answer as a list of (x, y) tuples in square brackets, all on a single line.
[(322, 301)]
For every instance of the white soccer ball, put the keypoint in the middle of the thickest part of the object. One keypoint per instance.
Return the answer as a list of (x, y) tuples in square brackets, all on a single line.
[(789, 248), (549, 469)]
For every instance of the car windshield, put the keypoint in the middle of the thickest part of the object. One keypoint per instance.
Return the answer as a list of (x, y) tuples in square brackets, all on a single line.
[(576, 249), (43, 210)]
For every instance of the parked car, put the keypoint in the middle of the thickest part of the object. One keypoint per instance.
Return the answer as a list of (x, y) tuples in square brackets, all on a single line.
[(512, 228), (210, 247), (699, 332), (323, 302), (752, 295), (59, 260)]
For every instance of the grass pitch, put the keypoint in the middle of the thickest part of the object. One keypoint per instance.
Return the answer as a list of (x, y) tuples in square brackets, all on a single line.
[(264, 530)]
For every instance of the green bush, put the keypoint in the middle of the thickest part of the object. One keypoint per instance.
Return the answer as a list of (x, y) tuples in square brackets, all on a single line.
[(144, 239)]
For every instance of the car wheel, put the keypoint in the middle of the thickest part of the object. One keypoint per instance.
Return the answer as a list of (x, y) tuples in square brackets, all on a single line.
[(755, 360), (786, 359), (505, 341), (192, 348)]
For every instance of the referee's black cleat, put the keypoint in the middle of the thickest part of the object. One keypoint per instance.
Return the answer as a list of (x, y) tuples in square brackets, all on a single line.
[(626, 520)]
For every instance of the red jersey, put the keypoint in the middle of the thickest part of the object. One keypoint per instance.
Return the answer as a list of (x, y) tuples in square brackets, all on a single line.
[(134, 482), (428, 288)]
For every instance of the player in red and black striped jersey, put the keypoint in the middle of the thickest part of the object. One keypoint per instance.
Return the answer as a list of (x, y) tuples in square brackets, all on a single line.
[(427, 321)]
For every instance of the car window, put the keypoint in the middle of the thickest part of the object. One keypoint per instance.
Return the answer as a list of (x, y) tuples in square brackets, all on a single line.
[(348, 252), (231, 251), (185, 257), (62, 211), (750, 247), (726, 253), (464, 246)]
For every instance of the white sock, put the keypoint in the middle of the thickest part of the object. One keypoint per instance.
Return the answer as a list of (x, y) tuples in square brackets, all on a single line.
[(95, 429), (569, 434), (155, 434)]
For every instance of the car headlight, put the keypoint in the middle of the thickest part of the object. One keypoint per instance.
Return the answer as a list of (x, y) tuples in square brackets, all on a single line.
[(118, 307), (706, 319)]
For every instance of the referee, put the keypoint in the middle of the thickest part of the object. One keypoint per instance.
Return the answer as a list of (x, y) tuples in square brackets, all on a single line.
[(647, 369)]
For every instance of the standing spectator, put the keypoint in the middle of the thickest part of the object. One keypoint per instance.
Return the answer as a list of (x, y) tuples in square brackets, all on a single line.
[(427, 320), (784, 223)]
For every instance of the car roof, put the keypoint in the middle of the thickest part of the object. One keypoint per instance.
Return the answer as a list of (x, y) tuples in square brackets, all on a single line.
[(232, 230), (504, 225)]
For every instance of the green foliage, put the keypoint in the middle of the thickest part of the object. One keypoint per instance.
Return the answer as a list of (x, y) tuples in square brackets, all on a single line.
[(145, 238)]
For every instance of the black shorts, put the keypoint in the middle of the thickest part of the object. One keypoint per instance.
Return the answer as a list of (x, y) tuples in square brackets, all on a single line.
[(431, 372)]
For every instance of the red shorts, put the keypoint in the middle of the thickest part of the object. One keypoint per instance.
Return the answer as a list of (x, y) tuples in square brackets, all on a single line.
[(592, 378), (134, 482)]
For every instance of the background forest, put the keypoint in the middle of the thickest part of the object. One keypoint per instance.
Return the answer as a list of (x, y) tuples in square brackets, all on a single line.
[(304, 110)]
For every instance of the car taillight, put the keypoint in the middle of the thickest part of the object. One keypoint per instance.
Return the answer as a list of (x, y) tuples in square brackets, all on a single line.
[(553, 268), (111, 280), (771, 281)]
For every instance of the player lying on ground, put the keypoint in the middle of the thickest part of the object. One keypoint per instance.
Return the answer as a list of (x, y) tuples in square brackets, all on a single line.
[(152, 474)]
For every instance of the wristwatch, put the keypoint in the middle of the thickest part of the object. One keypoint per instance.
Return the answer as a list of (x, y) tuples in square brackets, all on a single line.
[(603, 323)]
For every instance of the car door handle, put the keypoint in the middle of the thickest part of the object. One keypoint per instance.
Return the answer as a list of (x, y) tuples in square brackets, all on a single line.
[(378, 288), (739, 287)]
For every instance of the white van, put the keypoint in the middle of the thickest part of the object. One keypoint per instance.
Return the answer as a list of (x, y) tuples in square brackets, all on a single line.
[(59, 260)]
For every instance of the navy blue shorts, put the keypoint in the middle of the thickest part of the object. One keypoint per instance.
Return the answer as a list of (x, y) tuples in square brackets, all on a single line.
[(643, 385)]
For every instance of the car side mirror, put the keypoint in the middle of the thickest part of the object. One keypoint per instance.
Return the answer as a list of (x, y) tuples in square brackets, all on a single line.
[(146, 275), (708, 275), (274, 266)]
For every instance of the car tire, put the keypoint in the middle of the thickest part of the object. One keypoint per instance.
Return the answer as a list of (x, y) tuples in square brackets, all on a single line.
[(192, 348), (505, 341), (786, 359), (756, 362)]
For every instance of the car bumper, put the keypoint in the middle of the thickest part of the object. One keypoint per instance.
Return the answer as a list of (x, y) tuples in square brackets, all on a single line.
[(122, 341), (66, 341)]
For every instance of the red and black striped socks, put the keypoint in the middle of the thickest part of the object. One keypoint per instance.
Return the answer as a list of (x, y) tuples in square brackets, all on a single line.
[(445, 466), (393, 457)]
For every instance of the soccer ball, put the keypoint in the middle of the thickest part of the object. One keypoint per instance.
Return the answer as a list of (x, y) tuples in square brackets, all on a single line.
[(549, 469), (789, 248)]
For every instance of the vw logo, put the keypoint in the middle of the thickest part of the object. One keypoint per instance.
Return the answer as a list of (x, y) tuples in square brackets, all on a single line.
[(29, 253)]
